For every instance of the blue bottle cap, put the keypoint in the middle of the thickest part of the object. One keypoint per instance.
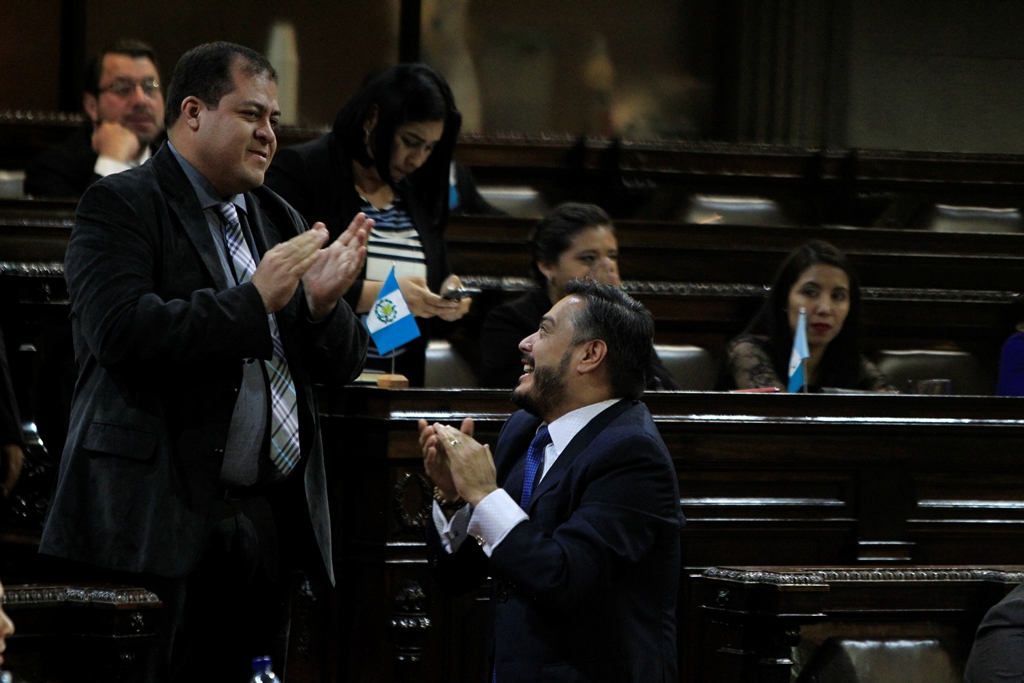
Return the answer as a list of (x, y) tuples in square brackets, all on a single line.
[(261, 664)]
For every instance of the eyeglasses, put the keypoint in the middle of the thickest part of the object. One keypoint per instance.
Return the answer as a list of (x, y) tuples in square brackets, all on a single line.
[(123, 87)]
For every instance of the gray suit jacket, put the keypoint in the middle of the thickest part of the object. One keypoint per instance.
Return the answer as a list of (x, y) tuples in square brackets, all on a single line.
[(160, 339)]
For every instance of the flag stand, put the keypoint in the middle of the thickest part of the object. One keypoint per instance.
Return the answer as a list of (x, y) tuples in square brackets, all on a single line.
[(393, 381)]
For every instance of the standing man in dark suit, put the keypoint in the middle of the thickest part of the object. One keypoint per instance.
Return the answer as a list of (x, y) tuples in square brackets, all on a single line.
[(202, 310), (124, 109), (576, 518)]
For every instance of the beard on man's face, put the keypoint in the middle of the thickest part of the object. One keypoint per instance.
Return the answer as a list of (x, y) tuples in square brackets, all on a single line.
[(548, 390)]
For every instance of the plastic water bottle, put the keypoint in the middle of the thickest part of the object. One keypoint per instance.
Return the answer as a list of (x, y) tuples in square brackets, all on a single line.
[(261, 671)]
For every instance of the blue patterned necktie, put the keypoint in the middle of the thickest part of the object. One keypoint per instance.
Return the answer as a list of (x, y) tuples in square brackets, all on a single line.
[(284, 422), (534, 461)]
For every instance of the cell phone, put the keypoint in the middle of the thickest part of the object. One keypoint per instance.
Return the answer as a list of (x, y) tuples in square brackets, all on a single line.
[(455, 294)]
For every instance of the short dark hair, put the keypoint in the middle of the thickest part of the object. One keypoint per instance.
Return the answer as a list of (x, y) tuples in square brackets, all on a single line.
[(136, 49), (205, 72), (553, 234), (840, 364), (403, 94), (624, 325)]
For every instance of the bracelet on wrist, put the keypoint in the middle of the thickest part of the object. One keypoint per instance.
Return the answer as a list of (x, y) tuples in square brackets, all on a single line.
[(447, 503)]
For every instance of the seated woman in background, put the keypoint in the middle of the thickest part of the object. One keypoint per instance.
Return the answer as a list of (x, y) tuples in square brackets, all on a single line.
[(818, 278), (1011, 358), (573, 242), (388, 155)]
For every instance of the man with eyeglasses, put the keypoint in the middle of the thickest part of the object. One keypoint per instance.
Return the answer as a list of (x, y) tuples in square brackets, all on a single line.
[(124, 106)]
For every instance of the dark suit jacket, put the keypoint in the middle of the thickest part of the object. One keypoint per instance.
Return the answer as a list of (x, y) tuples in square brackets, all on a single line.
[(160, 339), (585, 590), (67, 169), (998, 652), (501, 361)]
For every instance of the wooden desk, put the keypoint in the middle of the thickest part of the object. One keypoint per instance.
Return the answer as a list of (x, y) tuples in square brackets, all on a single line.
[(32, 230), (848, 186), (807, 481), (33, 312), (787, 480), (675, 252), (711, 314), (64, 627), (23, 135), (752, 617), (687, 312)]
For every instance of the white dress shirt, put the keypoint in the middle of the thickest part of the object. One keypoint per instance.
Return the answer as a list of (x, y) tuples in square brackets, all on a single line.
[(496, 515), (105, 166)]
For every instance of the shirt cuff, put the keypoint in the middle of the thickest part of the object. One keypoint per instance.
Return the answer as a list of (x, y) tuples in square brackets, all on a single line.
[(452, 531), (493, 518), (106, 166)]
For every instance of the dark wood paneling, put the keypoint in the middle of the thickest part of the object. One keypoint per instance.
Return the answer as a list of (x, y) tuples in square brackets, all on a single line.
[(856, 480), (677, 252), (751, 618)]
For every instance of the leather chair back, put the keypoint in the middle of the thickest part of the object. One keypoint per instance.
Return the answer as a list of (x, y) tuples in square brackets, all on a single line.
[(693, 367), (888, 660), (951, 218), (905, 368), (446, 368), (733, 210), (517, 201)]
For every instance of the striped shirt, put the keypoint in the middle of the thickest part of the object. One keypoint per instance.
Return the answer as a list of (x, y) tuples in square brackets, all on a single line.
[(393, 240)]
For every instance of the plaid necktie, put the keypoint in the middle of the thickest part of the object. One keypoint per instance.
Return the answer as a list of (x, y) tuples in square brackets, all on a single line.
[(534, 460), (284, 422)]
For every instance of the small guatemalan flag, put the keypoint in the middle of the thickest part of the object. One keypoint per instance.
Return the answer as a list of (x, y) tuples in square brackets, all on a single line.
[(800, 353), (390, 323)]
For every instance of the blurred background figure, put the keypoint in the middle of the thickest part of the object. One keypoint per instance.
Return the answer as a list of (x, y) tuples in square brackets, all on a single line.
[(573, 242), (124, 108), (1011, 358)]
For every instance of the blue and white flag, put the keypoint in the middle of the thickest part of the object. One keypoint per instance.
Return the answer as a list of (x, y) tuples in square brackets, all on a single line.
[(800, 353), (390, 323)]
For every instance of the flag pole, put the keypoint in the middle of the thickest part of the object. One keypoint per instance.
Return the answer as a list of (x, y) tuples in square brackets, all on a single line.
[(394, 352), (798, 357), (803, 361)]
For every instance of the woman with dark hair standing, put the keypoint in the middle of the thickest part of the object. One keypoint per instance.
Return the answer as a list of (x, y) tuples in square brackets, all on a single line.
[(573, 242), (388, 155), (818, 278)]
